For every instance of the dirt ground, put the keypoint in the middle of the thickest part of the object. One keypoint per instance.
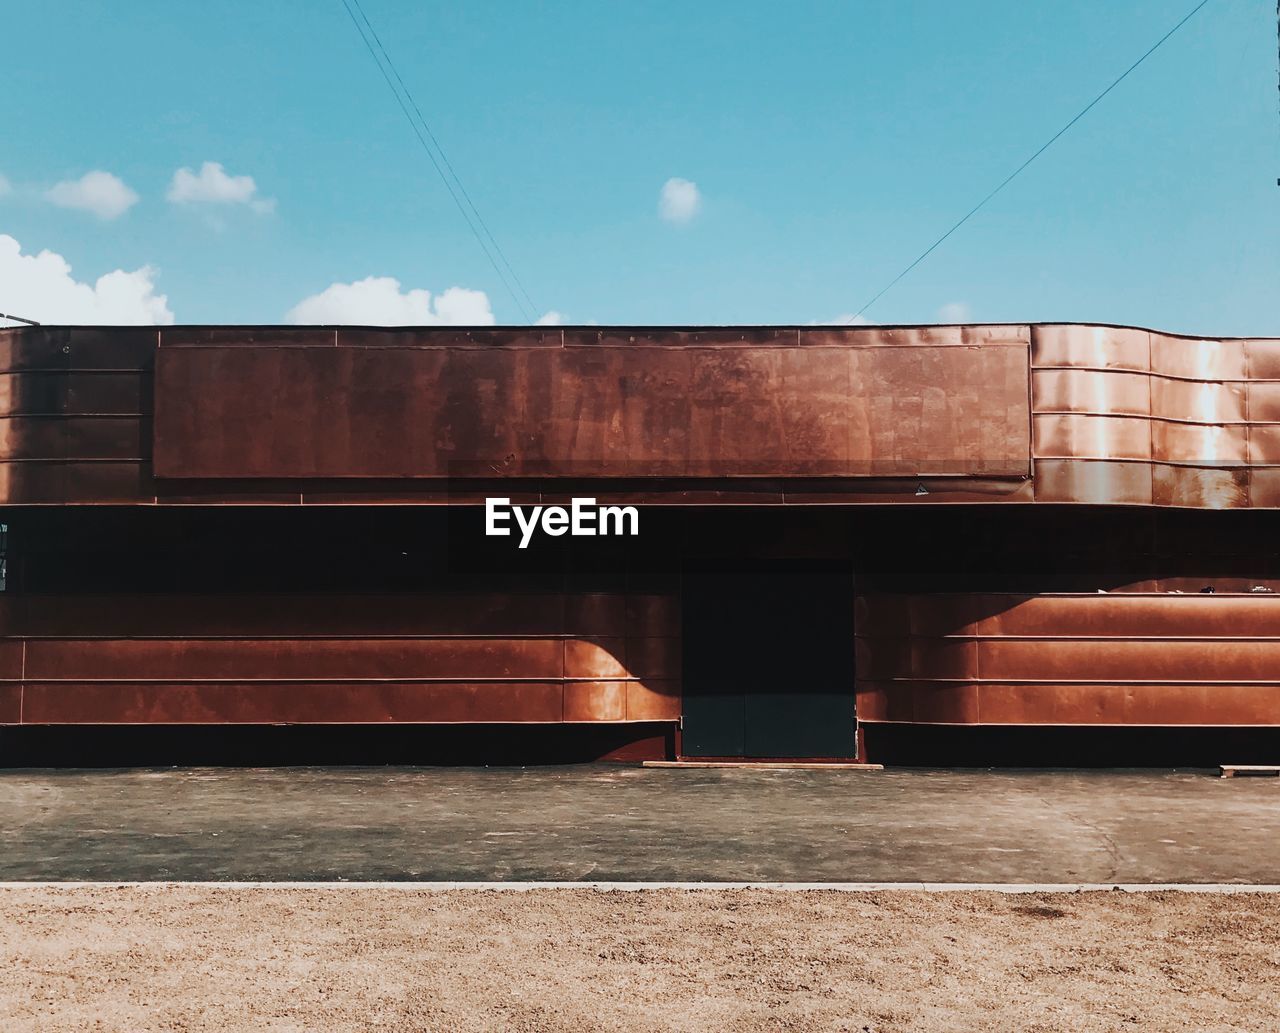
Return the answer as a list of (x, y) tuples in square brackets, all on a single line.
[(198, 958)]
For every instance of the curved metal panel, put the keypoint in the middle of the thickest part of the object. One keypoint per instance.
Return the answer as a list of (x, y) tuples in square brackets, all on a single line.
[(1212, 424), (471, 656), (1079, 391), (1148, 659)]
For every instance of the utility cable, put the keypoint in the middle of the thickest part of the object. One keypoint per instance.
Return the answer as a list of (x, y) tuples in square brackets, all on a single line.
[(445, 158), (525, 304), (1014, 174)]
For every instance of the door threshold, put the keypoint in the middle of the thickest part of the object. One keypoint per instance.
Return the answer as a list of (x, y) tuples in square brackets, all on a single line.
[(772, 765)]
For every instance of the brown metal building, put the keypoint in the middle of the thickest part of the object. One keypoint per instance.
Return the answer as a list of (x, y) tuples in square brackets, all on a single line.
[(849, 538)]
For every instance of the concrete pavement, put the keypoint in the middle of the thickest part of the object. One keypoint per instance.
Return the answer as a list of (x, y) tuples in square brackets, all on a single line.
[(605, 822)]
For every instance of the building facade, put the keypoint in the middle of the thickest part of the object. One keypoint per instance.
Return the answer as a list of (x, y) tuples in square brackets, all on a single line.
[(847, 536)]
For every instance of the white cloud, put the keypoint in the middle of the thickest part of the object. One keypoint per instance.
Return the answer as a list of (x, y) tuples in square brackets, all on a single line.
[(552, 318), (99, 192), (844, 319), (5, 187), (954, 312), (378, 301), (212, 185), (41, 287), (679, 200)]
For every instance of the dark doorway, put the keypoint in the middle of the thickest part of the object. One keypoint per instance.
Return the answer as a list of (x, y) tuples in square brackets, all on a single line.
[(768, 661)]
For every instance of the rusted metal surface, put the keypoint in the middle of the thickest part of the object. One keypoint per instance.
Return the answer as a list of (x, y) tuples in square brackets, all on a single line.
[(75, 415), (758, 418), (813, 404), (1136, 417), (251, 659), (1143, 659), (289, 416)]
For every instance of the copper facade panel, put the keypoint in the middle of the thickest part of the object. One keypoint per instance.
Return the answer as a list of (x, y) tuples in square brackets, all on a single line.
[(492, 614), (918, 702), (1093, 482), (77, 348), (1206, 705), (1162, 660), (75, 482), (1086, 391), (1262, 401), (1263, 358), (653, 614), (249, 336), (675, 337), (1091, 347), (1126, 616), (1199, 488), (458, 657), (595, 701), (64, 392), (1264, 488), (11, 660), (1089, 704), (276, 703), (300, 659), (10, 704), (913, 336), (595, 614), (451, 337), (917, 658), (74, 438), (1210, 407), (1198, 359), (1194, 445), (653, 700), (860, 403), (1074, 659), (356, 412), (1072, 436), (653, 657), (1188, 401), (595, 658), (1264, 445)]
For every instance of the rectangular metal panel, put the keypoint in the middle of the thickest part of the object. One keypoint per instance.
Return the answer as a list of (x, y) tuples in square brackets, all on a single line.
[(493, 614), (1147, 659), (653, 699), (85, 393), (303, 659), (226, 411), (595, 701), (1091, 347), (10, 704), (273, 703), (1096, 482)]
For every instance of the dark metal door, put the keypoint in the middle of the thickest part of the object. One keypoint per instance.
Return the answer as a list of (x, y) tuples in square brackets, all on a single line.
[(768, 661)]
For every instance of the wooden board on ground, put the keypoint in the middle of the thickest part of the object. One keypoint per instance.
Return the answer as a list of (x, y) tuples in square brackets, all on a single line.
[(1234, 770), (775, 765)]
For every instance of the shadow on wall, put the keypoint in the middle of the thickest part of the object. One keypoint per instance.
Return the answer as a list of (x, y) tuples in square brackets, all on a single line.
[(122, 746), (991, 746)]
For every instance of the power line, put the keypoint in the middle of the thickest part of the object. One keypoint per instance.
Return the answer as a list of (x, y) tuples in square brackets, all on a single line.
[(445, 158), (18, 319), (525, 304), (1014, 174)]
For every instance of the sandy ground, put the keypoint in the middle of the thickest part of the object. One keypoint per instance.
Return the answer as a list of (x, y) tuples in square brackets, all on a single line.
[(198, 958)]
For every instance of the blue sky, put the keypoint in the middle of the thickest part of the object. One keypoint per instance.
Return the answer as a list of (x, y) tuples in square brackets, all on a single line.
[(829, 142)]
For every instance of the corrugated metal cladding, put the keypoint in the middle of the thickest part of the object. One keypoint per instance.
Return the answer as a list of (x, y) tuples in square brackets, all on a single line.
[(844, 436)]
